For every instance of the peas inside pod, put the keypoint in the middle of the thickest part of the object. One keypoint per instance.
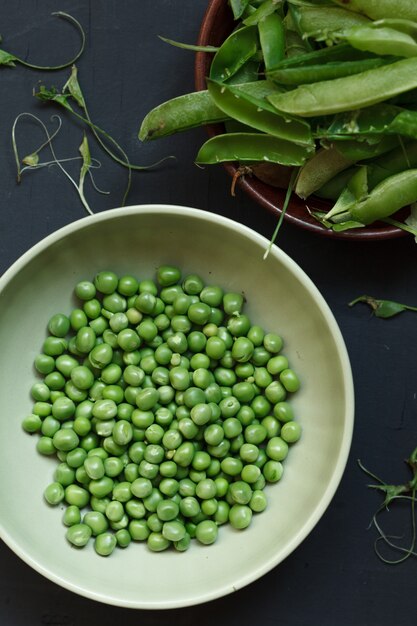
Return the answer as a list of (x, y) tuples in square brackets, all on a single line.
[(167, 410)]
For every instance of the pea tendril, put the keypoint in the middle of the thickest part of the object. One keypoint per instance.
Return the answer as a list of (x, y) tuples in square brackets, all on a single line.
[(405, 492), (8, 59)]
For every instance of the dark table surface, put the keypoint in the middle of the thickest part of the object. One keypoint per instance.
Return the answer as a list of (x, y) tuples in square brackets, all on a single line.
[(334, 577)]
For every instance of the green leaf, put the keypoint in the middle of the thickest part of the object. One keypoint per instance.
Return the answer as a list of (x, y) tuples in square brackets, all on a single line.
[(7, 59), (73, 87), (383, 308)]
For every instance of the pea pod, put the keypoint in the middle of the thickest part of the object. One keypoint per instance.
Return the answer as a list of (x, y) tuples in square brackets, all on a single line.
[(251, 148), (329, 71), (272, 40), (234, 52), (319, 22), (380, 9), (350, 92), (382, 40), (238, 7), (264, 10), (323, 165), (258, 114), (178, 114), (393, 193), (360, 149), (337, 53)]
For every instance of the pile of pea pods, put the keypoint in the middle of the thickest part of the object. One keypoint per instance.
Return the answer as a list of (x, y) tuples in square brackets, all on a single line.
[(326, 87), (167, 409)]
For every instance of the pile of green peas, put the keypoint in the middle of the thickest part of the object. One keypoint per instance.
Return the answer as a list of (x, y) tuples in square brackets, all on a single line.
[(166, 408)]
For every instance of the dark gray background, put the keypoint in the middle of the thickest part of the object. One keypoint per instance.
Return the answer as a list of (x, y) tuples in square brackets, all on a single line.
[(334, 577)]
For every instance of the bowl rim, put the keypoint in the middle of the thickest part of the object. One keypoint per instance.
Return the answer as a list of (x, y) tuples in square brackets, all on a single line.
[(346, 439), (255, 188)]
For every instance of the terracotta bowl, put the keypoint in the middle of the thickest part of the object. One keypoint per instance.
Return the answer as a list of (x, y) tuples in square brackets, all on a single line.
[(215, 27)]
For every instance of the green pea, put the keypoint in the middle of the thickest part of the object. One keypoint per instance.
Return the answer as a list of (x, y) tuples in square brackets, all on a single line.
[(167, 275), (64, 474), (128, 340), (192, 284), (101, 487), (196, 341), (258, 501), (157, 542), (242, 349), (94, 467), (44, 363), (206, 532), (122, 432), (277, 449), (139, 530), (54, 493), (85, 290), (272, 471), (239, 325), (127, 285), (55, 381), (290, 380), (240, 516), (74, 494), (225, 377), (65, 439), (78, 535), (291, 432), (54, 346), (78, 319), (32, 423), (97, 521), (85, 339), (72, 515), (260, 406), (59, 325), (105, 543)]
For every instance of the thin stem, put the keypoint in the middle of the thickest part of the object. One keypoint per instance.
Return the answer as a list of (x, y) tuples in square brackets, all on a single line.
[(76, 23), (283, 212)]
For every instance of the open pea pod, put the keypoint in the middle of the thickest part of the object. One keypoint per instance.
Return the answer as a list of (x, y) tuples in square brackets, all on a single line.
[(179, 114), (379, 9), (251, 148), (256, 112), (350, 92), (234, 52)]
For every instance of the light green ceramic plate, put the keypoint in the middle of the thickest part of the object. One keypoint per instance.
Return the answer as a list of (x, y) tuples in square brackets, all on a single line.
[(280, 297)]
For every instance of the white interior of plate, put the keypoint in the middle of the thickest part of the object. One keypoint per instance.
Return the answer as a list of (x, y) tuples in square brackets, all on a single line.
[(280, 297)]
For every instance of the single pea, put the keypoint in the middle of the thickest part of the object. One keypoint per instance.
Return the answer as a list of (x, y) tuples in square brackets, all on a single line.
[(93, 309), (156, 542), (272, 471), (261, 406), (192, 284), (277, 364), (59, 325), (101, 487), (94, 467), (122, 432), (232, 303), (250, 473), (229, 407), (277, 449), (42, 409), (291, 432), (64, 474), (147, 398), (44, 363), (105, 543), (54, 493), (152, 500), (128, 340), (135, 509), (239, 326), (243, 391), (290, 380), (72, 515), (32, 423), (139, 530), (212, 295), (113, 466), (167, 275), (85, 290), (115, 511), (76, 457), (173, 530), (65, 439), (224, 377), (123, 537), (78, 535), (113, 392), (273, 343), (119, 321), (196, 341), (240, 492), (220, 450), (179, 378), (78, 319), (206, 532), (74, 494), (45, 446), (232, 466), (242, 349), (106, 282), (97, 521), (128, 285), (54, 346), (249, 452), (260, 356), (272, 425), (258, 501), (240, 516), (85, 339), (255, 433), (283, 411), (55, 381), (206, 489), (104, 428), (104, 409), (262, 378), (167, 510)]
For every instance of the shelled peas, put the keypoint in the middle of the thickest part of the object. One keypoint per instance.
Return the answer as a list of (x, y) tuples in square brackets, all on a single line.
[(166, 408)]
